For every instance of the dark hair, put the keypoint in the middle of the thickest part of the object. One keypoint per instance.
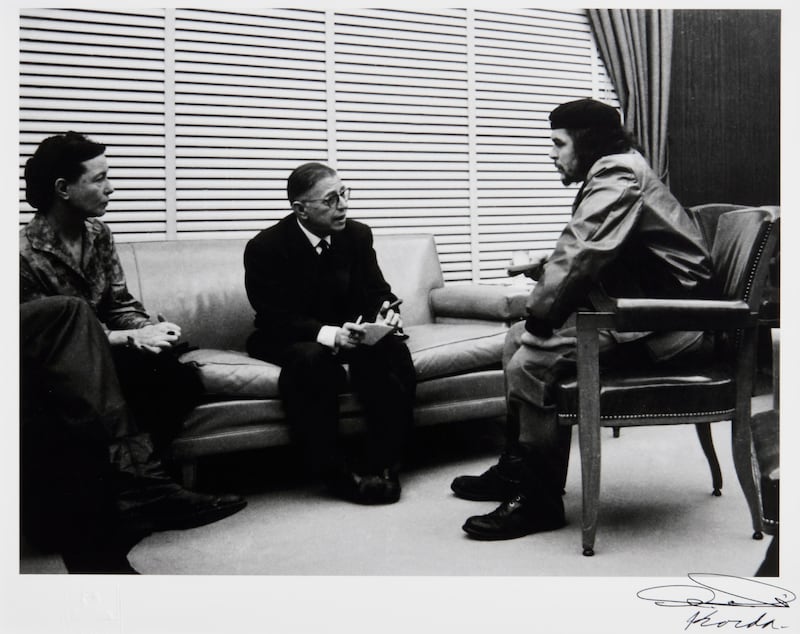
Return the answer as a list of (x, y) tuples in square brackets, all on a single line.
[(305, 177), (58, 156), (592, 144)]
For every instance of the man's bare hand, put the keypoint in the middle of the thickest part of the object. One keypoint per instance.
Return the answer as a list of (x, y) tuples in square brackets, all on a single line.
[(388, 316)]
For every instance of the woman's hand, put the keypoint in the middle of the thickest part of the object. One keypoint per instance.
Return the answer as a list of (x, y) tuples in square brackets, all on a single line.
[(151, 338)]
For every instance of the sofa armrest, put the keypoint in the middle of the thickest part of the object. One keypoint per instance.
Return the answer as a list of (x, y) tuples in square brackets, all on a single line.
[(479, 301)]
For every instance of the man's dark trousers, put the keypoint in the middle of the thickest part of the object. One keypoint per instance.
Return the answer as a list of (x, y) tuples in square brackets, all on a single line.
[(381, 376)]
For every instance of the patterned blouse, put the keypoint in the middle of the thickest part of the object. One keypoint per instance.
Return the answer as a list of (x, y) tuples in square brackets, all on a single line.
[(47, 269)]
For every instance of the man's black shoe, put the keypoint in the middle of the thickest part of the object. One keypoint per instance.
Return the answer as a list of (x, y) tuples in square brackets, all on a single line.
[(383, 488), (494, 484), (386, 486), (518, 517), (185, 509)]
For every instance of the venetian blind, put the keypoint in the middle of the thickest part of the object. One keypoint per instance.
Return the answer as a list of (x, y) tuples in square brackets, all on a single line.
[(436, 118), (250, 105), (100, 73)]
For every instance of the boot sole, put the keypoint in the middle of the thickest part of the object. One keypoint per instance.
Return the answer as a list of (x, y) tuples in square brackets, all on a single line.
[(488, 537), (478, 497)]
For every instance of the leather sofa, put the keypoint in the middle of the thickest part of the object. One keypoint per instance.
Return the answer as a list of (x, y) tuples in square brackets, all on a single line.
[(456, 334)]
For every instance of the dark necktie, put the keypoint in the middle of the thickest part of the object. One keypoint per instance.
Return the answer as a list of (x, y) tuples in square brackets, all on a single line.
[(323, 247)]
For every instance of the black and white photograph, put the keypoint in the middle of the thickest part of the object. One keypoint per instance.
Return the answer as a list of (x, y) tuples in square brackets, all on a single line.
[(370, 317)]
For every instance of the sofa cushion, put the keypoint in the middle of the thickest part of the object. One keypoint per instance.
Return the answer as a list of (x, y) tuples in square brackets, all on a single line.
[(437, 350), (234, 374), (447, 349)]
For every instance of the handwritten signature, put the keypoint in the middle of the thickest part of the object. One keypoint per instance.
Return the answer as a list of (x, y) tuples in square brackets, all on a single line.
[(717, 591)]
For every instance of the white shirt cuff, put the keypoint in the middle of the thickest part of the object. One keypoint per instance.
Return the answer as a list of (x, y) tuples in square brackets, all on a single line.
[(327, 336)]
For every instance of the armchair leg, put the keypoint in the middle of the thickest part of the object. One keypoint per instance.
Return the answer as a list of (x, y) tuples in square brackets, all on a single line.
[(707, 443), (589, 431), (743, 462), (590, 476)]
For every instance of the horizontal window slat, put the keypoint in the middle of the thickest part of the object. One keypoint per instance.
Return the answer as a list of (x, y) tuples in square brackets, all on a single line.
[(80, 96), (281, 35), (97, 73), (567, 78), (33, 77), (249, 154), (269, 121), (401, 149), (265, 144), (278, 18), (386, 54), (154, 67), (535, 64), (233, 163), (216, 235), (225, 205), (399, 121), (191, 70), (61, 26), (572, 21), (80, 105), (398, 76), (81, 42), (222, 57), (252, 42), (244, 94), (404, 101), (531, 216), (435, 16), (94, 116), (246, 175), (350, 109), (405, 24), (435, 39), (116, 146)]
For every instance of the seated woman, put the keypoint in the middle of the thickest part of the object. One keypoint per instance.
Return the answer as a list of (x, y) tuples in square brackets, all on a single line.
[(95, 371)]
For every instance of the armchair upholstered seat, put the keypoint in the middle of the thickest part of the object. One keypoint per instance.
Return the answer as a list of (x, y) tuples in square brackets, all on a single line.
[(719, 390)]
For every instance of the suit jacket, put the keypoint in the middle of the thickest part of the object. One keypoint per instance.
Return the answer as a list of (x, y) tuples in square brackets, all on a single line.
[(295, 291), (628, 237)]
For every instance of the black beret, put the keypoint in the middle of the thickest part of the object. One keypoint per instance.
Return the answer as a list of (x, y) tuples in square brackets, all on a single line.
[(584, 113)]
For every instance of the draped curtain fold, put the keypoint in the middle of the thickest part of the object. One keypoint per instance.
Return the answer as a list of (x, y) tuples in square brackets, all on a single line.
[(636, 46)]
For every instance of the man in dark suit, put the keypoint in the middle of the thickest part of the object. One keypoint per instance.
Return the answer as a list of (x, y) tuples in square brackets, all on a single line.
[(312, 278)]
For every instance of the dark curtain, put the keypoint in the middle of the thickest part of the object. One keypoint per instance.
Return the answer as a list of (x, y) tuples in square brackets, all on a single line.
[(636, 46)]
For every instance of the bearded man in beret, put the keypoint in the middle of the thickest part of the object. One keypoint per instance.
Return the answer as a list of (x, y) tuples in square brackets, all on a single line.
[(628, 237)]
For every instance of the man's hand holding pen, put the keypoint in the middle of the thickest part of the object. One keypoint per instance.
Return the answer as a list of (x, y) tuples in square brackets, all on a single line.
[(350, 334)]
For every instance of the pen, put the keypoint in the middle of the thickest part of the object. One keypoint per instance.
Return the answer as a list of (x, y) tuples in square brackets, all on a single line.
[(394, 305), (358, 321)]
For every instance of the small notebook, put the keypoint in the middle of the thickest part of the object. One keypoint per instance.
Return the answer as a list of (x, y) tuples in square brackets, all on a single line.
[(373, 333)]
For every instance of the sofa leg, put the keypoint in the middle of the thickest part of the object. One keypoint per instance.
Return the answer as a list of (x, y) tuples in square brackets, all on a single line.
[(189, 474)]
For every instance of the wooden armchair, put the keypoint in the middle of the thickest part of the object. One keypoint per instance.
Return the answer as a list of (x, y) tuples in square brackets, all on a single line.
[(721, 390)]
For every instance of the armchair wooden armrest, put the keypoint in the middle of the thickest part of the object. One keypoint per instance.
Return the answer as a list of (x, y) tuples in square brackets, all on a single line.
[(631, 315)]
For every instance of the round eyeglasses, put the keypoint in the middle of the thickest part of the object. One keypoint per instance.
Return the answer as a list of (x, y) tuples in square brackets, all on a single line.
[(332, 199)]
